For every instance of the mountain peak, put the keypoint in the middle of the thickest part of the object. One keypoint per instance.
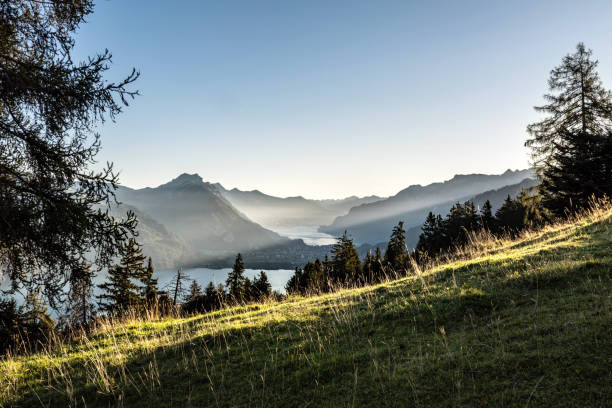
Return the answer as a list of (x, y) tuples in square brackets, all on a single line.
[(186, 180)]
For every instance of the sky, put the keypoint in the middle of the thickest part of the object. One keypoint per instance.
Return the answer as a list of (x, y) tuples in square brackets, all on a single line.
[(327, 99)]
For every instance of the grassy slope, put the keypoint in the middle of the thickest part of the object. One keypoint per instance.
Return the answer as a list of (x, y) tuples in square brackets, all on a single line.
[(527, 324)]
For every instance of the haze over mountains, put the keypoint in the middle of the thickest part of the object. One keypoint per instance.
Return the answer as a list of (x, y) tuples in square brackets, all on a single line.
[(372, 222), (272, 212), (188, 221)]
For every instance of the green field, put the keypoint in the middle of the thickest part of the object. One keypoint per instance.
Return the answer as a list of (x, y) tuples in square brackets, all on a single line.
[(522, 323)]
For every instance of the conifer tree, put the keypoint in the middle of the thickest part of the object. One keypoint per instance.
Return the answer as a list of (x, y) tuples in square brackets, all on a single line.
[(51, 107), (345, 263), (121, 294), (396, 255), (486, 217), (149, 291), (80, 308), (195, 291), (567, 146), (431, 240), (510, 217), (378, 269), (262, 286), (367, 270), (235, 279)]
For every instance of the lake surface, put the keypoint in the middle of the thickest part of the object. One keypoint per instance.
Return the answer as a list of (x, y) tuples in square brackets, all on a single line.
[(278, 278), (310, 235)]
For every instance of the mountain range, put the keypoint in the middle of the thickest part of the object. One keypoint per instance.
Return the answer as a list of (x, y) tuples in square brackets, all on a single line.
[(372, 222), (191, 222)]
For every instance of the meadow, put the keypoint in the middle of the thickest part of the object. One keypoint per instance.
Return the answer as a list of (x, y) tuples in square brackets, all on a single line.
[(505, 322)]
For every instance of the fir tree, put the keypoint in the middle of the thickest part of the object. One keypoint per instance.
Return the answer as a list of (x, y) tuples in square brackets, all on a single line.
[(487, 221), (378, 268), (262, 286), (235, 279), (195, 291), (510, 217), (396, 255), (149, 291), (345, 263), (121, 294)]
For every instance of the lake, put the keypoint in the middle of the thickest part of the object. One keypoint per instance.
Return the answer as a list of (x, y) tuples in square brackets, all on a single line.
[(309, 234), (278, 278)]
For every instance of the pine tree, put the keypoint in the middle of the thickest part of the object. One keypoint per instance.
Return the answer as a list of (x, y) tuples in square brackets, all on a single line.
[(80, 308), (396, 255), (195, 291), (487, 221), (345, 263), (378, 268), (262, 286), (510, 217), (568, 144), (121, 295), (150, 291), (235, 279), (367, 270), (431, 240)]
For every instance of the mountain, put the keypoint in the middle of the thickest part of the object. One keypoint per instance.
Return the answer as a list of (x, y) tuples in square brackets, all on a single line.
[(275, 212), (199, 214), (165, 247), (372, 222)]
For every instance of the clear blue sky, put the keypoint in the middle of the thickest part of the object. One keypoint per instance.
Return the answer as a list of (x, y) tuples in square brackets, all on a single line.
[(331, 98)]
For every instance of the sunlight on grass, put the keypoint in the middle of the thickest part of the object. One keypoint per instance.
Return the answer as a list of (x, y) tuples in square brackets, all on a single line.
[(501, 323)]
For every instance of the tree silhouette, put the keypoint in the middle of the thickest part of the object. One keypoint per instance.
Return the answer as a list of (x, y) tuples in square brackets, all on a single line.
[(570, 147), (51, 106)]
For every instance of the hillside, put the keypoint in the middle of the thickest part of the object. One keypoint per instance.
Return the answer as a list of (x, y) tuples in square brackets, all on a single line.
[(162, 245), (372, 222), (521, 323)]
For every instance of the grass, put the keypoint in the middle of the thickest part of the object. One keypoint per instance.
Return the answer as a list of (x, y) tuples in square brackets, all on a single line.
[(510, 323)]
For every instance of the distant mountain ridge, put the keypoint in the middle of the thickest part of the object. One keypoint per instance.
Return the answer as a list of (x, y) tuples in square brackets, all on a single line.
[(190, 222), (272, 212), (369, 223)]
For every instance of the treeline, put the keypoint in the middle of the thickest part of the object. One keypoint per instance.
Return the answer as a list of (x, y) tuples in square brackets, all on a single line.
[(441, 235)]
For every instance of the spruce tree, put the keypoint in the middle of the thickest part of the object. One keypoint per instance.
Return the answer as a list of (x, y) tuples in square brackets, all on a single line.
[(567, 146), (235, 279), (486, 217), (262, 286), (121, 294), (378, 268), (345, 262), (195, 291), (149, 290), (396, 255)]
